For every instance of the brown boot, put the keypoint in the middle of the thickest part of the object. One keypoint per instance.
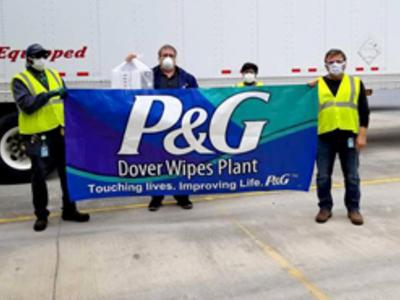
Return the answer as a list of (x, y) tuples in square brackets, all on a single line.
[(323, 215), (355, 217)]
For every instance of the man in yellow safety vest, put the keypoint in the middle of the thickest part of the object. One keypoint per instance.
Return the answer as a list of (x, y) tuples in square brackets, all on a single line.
[(39, 94), (342, 129), (249, 73)]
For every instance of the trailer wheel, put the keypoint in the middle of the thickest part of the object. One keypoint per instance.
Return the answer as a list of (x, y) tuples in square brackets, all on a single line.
[(14, 164)]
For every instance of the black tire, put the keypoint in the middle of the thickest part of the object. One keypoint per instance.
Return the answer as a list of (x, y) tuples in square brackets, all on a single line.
[(9, 174)]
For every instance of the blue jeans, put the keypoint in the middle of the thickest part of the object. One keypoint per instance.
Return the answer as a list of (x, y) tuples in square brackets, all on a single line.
[(349, 161)]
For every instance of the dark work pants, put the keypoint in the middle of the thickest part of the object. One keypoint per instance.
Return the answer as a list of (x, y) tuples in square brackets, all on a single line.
[(349, 161), (40, 168)]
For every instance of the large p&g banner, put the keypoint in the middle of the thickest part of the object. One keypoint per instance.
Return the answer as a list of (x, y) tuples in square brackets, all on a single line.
[(193, 141)]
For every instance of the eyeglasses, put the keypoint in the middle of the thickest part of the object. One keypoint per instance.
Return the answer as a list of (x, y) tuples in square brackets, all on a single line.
[(40, 55), (168, 55), (338, 61)]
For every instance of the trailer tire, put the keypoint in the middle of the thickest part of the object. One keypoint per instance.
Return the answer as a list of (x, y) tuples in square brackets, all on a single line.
[(14, 165)]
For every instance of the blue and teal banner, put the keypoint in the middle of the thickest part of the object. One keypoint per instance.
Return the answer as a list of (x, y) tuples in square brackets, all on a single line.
[(189, 141)]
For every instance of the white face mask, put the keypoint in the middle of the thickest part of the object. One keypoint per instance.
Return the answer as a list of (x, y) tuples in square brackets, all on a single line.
[(249, 77), (38, 64), (167, 63), (337, 68)]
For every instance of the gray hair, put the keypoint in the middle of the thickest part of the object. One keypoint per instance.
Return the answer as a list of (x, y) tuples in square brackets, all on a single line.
[(167, 46)]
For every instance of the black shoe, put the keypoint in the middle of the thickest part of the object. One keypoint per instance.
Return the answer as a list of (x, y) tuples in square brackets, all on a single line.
[(40, 225), (75, 216), (154, 204), (185, 204)]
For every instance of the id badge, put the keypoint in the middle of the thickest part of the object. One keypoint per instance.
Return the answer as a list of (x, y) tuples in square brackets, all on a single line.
[(44, 151), (350, 143)]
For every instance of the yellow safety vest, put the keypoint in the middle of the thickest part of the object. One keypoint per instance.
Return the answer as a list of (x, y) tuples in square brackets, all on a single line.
[(49, 116), (242, 84), (340, 111)]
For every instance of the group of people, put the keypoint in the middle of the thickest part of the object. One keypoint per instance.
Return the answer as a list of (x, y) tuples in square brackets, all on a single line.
[(342, 125)]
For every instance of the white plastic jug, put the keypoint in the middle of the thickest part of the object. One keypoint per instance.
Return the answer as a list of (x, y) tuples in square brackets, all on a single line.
[(132, 75)]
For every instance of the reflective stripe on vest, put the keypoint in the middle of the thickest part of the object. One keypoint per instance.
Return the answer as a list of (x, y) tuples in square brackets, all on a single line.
[(49, 116), (242, 84), (340, 111)]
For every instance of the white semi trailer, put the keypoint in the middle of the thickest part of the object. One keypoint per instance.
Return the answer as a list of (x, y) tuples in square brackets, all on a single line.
[(286, 38)]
